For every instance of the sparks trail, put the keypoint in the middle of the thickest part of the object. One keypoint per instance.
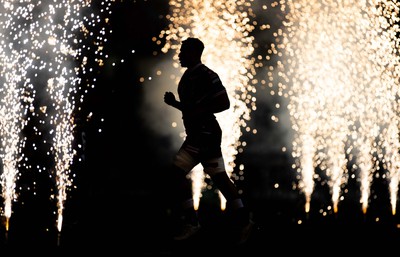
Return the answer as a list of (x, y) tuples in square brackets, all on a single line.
[(338, 70), (45, 51)]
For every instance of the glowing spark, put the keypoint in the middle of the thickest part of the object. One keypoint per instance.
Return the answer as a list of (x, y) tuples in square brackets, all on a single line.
[(224, 27), (339, 63)]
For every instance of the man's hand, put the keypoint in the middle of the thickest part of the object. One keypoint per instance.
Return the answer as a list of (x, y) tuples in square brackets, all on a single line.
[(169, 98)]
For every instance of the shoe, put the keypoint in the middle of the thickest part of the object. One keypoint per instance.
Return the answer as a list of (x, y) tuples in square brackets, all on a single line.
[(245, 233), (188, 231)]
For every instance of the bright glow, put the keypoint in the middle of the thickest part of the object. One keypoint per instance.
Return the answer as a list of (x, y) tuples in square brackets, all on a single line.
[(338, 63), (224, 27)]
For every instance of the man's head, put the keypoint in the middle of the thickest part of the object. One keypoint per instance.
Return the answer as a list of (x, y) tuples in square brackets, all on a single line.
[(190, 52)]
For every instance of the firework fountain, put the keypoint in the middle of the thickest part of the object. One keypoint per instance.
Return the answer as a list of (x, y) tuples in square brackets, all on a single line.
[(43, 54), (338, 67)]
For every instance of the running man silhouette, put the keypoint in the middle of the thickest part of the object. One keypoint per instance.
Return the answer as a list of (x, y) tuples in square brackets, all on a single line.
[(201, 95)]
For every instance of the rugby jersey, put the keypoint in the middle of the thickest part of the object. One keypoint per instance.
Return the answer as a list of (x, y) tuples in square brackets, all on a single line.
[(198, 86)]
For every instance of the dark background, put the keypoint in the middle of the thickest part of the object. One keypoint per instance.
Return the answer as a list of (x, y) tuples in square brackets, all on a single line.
[(118, 203)]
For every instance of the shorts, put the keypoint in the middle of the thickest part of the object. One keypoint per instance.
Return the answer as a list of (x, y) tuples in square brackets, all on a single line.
[(201, 148)]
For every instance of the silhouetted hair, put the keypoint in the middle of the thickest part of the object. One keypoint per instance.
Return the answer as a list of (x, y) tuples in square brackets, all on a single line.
[(195, 44)]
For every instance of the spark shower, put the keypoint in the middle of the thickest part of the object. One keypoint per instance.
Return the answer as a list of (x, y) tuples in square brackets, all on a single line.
[(338, 67), (44, 55)]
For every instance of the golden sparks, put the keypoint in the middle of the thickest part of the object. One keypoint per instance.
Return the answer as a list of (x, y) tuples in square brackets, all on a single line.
[(338, 67)]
